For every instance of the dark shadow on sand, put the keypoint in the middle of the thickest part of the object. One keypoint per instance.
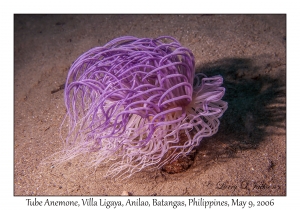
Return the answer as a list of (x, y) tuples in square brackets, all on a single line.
[(255, 101)]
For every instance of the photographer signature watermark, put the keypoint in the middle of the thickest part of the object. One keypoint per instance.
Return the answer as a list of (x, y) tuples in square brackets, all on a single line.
[(244, 185)]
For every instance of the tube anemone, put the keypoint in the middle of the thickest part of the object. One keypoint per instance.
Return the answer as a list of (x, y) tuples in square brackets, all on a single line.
[(135, 100)]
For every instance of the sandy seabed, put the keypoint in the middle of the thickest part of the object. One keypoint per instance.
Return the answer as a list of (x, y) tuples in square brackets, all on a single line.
[(246, 157)]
